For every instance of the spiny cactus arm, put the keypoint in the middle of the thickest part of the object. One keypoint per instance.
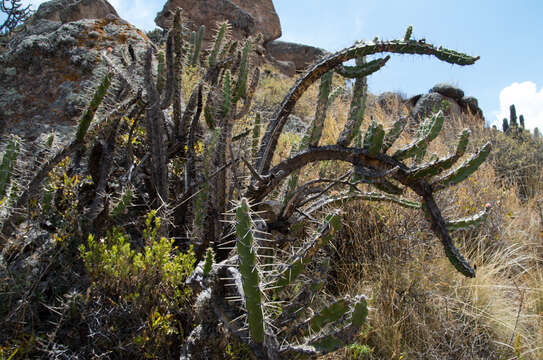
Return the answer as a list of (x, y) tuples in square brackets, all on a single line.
[(8, 164), (249, 271), (369, 196), (440, 227), (275, 127), (256, 134), (88, 115), (106, 161), (240, 88), (334, 340), (154, 122), (179, 126), (248, 99), (355, 156), (362, 70), (322, 105), (373, 140), (160, 77), (465, 223), (437, 166), (408, 33), (124, 202), (191, 141), (463, 171), (195, 58), (428, 131), (209, 260), (356, 111), (296, 264), (334, 95), (227, 95), (170, 72), (329, 314), (221, 33), (394, 133)]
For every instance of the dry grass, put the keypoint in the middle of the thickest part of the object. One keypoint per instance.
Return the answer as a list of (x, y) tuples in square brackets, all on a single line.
[(421, 308)]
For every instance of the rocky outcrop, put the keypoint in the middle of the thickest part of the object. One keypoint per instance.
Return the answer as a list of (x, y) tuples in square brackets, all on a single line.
[(301, 56), (50, 70), (447, 97), (65, 11), (247, 17)]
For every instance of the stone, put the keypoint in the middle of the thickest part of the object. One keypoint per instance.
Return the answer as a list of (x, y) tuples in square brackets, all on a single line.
[(50, 70), (247, 17), (448, 90), (390, 102), (301, 55), (66, 11), (429, 103), (471, 105)]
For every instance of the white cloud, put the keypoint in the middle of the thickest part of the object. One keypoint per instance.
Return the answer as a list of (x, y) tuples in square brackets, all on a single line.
[(528, 102)]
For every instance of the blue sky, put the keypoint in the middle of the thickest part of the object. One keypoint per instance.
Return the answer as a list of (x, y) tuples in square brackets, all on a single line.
[(507, 35)]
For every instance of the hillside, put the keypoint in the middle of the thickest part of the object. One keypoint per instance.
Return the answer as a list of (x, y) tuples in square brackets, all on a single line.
[(177, 201)]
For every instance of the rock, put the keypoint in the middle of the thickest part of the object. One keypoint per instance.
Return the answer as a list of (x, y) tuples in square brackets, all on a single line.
[(50, 71), (429, 103), (471, 105), (247, 17), (448, 90), (301, 55), (66, 11)]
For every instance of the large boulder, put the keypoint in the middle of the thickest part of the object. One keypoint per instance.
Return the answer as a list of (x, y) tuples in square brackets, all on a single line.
[(66, 11), (247, 17), (300, 55), (50, 70), (448, 90)]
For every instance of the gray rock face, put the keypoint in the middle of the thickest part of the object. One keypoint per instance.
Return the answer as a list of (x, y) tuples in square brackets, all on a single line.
[(429, 103), (448, 90), (300, 55), (50, 70), (247, 17), (72, 10)]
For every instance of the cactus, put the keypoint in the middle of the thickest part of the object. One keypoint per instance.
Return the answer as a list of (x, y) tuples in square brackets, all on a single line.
[(521, 121), (513, 116), (195, 54), (249, 271), (88, 115), (408, 33), (209, 260), (505, 125), (256, 134), (8, 164), (219, 37)]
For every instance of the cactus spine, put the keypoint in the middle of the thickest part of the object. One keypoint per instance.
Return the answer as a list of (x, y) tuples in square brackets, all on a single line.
[(88, 115), (195, 58)]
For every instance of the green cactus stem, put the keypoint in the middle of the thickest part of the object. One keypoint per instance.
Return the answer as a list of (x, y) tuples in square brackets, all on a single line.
[(209, 260), (219, 37), (408, 33), (160, 72), (8, 164), (123, 204), (463, 171), (428, 131), (256, 134), (322, 105), (513, 116), (394, 133), (227, 93), (195, 59), (89, 113), (363, 69), (468, 222), (373, 140), (240, 90), (296, 264), (436, 167), (249, 272), (357, 109), (331, 313)]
